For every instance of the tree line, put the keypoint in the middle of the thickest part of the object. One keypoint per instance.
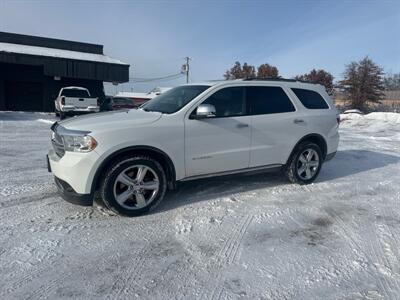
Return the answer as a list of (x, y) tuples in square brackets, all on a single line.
[(363, 81)]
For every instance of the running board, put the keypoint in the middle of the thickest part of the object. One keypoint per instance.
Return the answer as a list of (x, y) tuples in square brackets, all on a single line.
[(274, 167)]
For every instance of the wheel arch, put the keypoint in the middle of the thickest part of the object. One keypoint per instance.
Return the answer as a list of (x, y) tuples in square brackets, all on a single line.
[(314, 138), (150, 151)]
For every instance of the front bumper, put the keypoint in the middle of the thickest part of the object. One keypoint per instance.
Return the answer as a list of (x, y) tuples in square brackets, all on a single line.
[(75, 169), (69, 195)]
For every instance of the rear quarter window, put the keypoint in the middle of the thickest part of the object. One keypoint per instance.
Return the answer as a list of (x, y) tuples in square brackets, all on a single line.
[(310, 99)]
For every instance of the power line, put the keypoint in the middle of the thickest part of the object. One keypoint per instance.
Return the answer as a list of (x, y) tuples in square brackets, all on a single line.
[(184, 71), (139, 79)]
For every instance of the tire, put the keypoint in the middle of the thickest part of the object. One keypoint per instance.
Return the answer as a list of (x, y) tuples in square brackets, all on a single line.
[(57, 114), (300, 161), (123, 180), (62, 115)]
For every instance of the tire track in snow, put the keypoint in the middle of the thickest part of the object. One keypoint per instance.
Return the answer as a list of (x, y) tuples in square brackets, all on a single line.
[(27, 278), (229, 255), (24, 200), (347, 234), (44, 291), (382, 263), (74, 266), (131, 283)]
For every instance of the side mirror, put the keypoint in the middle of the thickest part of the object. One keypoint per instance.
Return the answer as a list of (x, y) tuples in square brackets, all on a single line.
[(204, 111)]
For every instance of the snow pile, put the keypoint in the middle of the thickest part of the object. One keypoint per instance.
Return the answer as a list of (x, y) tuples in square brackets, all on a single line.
[(374, 121)]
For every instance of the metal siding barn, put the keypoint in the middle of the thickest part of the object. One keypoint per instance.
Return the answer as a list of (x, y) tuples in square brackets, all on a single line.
[(34, 69)]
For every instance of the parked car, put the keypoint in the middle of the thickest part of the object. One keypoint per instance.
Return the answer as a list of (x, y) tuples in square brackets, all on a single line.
[(141, 98), (74, 100), (115, 103), (131, 158), (122, 103)]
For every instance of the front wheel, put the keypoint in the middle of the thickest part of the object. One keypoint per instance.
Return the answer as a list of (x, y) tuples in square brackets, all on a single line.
[(133, 185), (305, 163)]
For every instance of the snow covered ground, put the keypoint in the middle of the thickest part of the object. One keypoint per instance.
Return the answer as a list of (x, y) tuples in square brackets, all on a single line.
[(252, 237)]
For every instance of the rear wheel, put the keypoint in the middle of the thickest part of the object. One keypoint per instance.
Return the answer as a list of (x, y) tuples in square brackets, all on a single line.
[(133, 185), (305, 163), (62, 115)]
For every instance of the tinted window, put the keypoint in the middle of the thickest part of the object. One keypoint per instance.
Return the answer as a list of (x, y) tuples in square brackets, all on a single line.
[(174, 99), (228, 102), (268, 100), (310, 99), (75, 93)]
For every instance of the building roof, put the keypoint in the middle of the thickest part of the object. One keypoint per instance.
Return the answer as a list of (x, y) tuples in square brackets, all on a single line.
[(62, 58), (57, 53)]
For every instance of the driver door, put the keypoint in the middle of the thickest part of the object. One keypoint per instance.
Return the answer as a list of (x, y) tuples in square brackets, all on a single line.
[(222, 142)]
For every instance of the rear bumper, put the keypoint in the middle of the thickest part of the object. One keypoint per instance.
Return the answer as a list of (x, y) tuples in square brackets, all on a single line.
[(69, 194), (73, 109)]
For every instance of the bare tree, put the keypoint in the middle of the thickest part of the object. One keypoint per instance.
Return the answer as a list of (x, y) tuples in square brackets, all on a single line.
[(319, 76), (363, 83), (267, 71), (248, 71), (235, 72), (238, 71)]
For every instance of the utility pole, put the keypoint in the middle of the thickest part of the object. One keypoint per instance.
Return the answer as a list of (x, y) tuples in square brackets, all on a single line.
[(185, 68)]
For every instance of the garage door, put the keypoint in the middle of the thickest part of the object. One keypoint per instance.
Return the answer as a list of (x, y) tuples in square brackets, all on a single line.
[(25, 96)]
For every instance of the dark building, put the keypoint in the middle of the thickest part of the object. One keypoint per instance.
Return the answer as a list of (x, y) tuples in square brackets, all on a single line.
[(33, 70)]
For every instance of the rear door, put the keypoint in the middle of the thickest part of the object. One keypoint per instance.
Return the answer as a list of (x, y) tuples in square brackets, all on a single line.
[(276, 126), (220, 143)]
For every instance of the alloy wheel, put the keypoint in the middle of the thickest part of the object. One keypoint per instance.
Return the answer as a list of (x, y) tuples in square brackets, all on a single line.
[(307, 164), (136, 187)]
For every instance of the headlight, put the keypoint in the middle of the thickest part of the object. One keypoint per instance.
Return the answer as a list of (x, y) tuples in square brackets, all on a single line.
[(75, 143)]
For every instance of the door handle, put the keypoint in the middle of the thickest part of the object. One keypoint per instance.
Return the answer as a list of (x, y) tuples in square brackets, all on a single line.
[(298, 121), (241, 125)]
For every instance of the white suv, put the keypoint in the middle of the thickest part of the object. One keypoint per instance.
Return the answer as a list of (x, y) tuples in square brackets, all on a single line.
[(193, 131)]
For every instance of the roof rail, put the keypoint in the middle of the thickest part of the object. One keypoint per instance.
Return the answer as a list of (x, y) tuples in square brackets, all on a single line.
[(274, 79)]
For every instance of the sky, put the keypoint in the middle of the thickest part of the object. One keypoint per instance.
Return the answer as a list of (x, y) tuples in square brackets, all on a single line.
[(155, 36)]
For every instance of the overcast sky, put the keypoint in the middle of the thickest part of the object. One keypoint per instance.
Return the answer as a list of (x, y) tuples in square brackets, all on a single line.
[(155, 36)]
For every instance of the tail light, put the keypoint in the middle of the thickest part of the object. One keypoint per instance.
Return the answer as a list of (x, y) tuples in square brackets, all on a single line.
[(62, 100)]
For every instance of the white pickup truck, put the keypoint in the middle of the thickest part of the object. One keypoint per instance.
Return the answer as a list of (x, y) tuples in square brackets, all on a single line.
[(74, 100)]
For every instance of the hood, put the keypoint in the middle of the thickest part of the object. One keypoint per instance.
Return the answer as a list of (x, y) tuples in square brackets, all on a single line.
[(112, 119)]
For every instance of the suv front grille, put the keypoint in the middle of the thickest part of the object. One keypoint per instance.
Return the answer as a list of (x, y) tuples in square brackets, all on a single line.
[(58, 144)]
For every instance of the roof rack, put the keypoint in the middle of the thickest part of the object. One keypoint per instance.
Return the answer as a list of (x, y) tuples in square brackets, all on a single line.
[(274, 79)]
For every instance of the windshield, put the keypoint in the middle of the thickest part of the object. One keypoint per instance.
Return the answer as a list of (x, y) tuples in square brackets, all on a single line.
[(174, 99), (75, 93)]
